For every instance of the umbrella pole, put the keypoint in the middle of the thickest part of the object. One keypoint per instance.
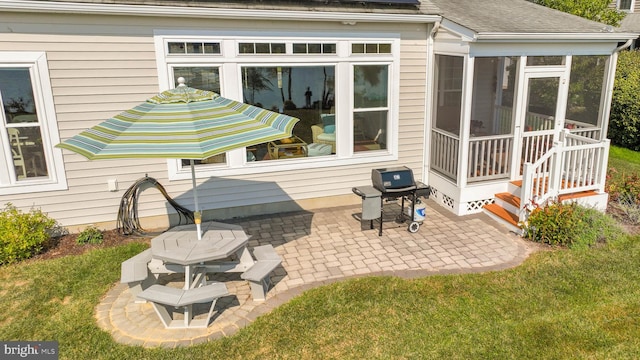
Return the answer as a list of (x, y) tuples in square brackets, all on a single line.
[(197, 217)]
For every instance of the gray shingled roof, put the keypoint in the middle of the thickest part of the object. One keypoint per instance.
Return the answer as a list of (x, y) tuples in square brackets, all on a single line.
[(480, 16), (513, 16), (631, 22)]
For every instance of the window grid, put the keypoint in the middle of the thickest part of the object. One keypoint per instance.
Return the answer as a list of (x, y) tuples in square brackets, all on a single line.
[(193, 48), (371, 48), (258, 48), (314, 48)]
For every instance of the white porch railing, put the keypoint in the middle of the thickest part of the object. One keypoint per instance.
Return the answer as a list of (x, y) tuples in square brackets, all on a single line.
[(489, 157), (573, 164), (445, 148)]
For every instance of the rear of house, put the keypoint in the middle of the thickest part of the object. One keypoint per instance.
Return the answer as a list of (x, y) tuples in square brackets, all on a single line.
[(425, 85)]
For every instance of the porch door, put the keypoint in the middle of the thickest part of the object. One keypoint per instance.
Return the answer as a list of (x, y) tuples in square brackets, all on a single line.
[(538, 121)]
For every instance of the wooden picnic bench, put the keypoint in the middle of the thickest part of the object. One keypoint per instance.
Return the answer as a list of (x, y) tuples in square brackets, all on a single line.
[(165, 298), (259, 275)]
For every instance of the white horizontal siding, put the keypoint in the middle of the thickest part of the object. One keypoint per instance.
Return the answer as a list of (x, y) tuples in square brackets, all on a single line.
[(100, 66)]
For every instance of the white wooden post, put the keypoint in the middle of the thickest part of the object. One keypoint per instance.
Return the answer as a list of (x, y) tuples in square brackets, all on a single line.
[(604, 160)]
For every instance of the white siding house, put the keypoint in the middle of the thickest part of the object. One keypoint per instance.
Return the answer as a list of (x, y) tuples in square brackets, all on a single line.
[(405, 84)]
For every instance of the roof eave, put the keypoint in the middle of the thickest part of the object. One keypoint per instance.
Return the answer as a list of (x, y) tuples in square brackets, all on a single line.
[(208, 12), (554, 37)]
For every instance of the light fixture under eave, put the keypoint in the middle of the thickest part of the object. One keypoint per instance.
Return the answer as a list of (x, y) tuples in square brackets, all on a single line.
[(349, 23)]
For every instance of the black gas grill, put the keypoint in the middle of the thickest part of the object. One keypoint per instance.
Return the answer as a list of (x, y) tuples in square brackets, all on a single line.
[(391, 183)]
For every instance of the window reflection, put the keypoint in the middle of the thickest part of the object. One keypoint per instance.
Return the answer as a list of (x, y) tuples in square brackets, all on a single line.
[(23, 126), (371, 92), (305, 92), (203, 78)]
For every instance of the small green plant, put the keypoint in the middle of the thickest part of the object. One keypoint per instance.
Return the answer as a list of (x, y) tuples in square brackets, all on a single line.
[(571, 225), (23, 235), (90, 235)]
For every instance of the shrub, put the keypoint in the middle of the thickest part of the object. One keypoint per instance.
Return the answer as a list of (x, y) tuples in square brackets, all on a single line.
[(23, 235), (571, 225), (624, 124), (90, 235)]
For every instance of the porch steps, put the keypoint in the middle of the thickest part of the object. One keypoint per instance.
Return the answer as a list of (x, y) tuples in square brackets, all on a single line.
[(501, 215), (577, 195), (507, 205)]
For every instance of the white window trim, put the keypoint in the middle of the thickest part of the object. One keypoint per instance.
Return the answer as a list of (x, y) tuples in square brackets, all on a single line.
[(43, 98), (631, 6), (230, 63)]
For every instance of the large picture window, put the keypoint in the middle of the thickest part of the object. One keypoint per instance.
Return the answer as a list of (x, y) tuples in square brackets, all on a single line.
[(305, 92), (341, 93), (27, 132)]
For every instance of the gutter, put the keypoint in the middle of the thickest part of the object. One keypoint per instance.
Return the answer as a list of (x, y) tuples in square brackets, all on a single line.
[(554, 36), (208, 12)]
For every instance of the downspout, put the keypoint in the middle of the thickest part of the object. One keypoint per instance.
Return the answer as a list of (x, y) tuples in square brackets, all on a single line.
[(428, 101), (623, 46)]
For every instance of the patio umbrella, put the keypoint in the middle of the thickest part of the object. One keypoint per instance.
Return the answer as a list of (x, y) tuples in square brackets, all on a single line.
[(181, 123)]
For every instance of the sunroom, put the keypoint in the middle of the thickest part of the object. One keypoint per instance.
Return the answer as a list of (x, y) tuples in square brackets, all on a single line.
[(519, 119)]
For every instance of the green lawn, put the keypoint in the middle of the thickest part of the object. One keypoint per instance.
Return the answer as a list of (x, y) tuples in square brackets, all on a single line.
[(624, 160), (561, 304)]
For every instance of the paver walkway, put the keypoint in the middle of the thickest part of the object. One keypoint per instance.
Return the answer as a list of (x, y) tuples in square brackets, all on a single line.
[(318, 248)]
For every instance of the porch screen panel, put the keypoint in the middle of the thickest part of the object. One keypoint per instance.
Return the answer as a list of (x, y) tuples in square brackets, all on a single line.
[(445, 137), (584, 110), (491, 138), (448, 102)]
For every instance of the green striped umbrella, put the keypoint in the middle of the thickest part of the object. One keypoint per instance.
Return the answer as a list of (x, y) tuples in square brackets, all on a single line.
[(181, 123)]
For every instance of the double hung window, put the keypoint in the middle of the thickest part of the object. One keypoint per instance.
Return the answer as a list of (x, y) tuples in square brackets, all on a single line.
[(28, 131)]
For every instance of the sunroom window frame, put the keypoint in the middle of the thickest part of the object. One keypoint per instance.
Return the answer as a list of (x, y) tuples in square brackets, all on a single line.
[(230, 77)]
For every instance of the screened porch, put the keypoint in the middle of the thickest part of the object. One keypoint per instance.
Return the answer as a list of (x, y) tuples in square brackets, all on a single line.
[(517, 110)]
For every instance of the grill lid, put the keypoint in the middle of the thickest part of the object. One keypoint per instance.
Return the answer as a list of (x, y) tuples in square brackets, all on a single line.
[(393, 179)]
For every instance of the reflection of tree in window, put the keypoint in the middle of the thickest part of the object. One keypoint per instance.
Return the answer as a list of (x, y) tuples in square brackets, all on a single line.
[(255, 80), (282, 89), (203, 78), (370, 86)]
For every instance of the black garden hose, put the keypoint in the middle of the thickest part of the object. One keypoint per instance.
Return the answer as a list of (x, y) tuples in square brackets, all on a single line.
[(128, 222)]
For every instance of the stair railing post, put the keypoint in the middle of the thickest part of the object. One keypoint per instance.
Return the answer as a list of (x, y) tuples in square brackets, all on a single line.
[(555, 177), (526, 191)]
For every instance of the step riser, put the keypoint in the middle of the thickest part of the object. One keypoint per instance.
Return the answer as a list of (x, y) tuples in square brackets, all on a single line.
[(507, 206), (506, 224)]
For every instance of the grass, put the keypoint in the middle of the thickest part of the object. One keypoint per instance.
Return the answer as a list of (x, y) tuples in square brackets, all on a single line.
[(558, 304), (624, 160)]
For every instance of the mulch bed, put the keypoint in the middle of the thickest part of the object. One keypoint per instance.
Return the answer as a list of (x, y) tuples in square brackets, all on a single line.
[(67, 245)]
